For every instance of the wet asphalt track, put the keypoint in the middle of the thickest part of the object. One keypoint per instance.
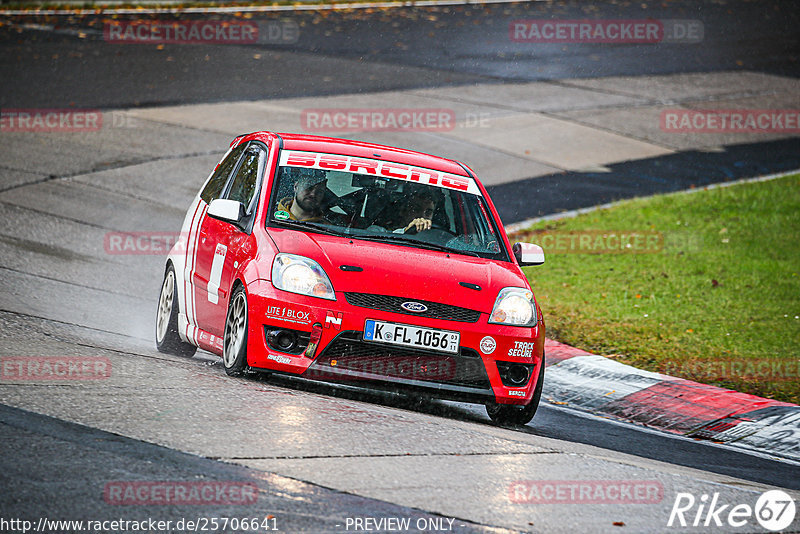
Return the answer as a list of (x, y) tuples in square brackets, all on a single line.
[(382, 456)]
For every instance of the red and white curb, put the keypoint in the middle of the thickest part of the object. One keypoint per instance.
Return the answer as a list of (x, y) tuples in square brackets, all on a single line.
[(597, 384)]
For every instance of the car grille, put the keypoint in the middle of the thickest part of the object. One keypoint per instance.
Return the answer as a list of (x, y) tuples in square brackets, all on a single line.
[(348, 352), (392, 304)]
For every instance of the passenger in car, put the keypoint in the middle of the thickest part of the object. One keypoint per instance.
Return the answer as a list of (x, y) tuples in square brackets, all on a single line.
[(414, 215)]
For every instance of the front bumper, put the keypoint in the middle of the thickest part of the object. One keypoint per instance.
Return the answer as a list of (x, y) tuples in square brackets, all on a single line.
[(342, 355)]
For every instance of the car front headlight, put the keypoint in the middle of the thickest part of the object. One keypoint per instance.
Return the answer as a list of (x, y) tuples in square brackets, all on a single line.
[(298, 274), (514, 306)]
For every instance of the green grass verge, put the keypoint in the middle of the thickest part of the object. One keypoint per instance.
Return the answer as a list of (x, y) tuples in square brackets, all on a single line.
[(708, 290)]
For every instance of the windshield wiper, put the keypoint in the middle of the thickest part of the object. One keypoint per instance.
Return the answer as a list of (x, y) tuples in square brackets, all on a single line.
[(402, 240), (303, 225)]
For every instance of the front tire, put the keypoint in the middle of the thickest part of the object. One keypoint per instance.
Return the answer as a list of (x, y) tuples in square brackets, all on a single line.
[(509, 414), (167, 338), (234, 352)]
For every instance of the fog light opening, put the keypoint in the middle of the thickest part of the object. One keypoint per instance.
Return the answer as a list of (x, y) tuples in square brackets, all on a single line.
[(518, 375), (284, 340), (514, 375)]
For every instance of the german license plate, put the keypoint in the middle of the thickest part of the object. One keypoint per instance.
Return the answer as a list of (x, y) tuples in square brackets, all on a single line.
[(411, 336)]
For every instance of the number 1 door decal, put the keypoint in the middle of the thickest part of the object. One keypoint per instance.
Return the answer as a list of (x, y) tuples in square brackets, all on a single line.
[(216, 273)]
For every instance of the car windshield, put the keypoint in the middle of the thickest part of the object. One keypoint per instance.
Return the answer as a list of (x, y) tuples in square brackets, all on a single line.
[(434, 211)]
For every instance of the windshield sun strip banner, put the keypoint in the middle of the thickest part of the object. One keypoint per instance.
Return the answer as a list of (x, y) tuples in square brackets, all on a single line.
[(375, 167)]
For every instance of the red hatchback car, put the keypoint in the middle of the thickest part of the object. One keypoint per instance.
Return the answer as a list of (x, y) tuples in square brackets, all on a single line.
[(352, 262)]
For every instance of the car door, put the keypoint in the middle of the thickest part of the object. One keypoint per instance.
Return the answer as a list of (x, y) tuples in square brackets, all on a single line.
[(224, 246), (198, 279)]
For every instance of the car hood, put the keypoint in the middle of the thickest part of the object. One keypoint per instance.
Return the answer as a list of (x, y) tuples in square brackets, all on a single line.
[(401, 271)]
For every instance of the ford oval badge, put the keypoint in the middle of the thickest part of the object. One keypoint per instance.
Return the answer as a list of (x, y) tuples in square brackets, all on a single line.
[(415, 307)]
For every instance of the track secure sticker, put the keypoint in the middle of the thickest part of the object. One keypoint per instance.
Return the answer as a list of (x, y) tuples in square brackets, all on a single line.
[(282, 215), (488, 344), (522, 349)]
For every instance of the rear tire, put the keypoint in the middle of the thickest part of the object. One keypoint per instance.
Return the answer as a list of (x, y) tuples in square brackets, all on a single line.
[(509, 414), (167, 338), (234, 352)]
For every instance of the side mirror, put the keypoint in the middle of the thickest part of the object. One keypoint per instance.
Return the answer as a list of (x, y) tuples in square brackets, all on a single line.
[(227, 210), (528, 254)]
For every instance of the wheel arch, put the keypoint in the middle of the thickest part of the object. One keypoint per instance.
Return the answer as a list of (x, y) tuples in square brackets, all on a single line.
[(237, 283)]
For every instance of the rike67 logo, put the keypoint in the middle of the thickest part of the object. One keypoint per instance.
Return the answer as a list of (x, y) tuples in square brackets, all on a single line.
[(774, 510)]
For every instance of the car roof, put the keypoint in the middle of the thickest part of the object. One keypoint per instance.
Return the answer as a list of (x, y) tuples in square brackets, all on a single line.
[(348, 147)]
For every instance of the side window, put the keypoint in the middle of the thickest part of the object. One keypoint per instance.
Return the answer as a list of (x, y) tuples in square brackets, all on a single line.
[(244, 184), (213, 188)]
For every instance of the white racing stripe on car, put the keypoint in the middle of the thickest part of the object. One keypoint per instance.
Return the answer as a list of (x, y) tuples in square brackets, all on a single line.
[(180, 261), (187, 286), (194, 229)]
